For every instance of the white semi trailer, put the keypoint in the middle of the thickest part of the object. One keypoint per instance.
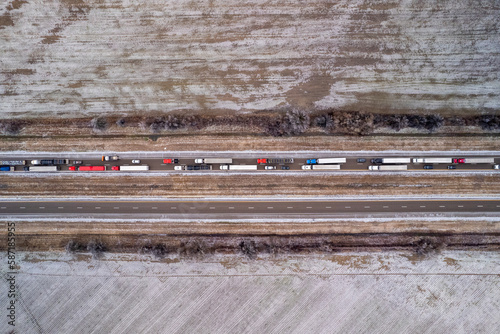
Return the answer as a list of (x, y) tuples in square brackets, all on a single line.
[(321, 167), (331, 160), (432, 161), (238, 167), (13, 162), (479, 161), (214, 161), (42, 168), (396, 160), (133, 168), (388, 167)]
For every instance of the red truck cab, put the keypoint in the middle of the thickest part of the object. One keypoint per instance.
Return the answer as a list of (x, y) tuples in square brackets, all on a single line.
[(115, 168), (459, 161), (261, 161), (73, 168)]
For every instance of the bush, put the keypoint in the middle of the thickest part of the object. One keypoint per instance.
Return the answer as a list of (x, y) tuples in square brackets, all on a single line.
[(192, 249), (121, 122), (248, 248), (489, 122), (96, 248), (73, 247), (294, 122), (396, 122), (99, 124), (350, 123), (11, 127), (427, 246)]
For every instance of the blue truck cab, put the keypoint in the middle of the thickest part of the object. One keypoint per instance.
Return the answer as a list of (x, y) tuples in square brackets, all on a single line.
[(311, 161), (5, 168)]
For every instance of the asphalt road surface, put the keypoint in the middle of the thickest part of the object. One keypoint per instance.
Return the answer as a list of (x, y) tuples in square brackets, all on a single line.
[(235, 209), (156, 164)]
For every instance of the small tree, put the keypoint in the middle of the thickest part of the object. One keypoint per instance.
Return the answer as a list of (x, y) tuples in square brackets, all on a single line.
[(99, 124), (248, 248), (96, 248)]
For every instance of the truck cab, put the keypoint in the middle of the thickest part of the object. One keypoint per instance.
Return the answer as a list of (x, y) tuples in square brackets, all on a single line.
[(311, 162)]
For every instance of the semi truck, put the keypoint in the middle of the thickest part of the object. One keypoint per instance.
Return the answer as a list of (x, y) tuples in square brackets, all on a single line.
[(50, 162), (238, 167), (326, 161), (432, 161), (12, 162), (193, 167), (321, 167), (89, 168), (7, 168), (391, 161), (42, 168), (279, 161), (388, 167), (474, 161), (214, 161), (130, 168)]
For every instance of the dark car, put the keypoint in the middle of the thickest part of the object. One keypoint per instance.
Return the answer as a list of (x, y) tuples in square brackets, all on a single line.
[(376, 161), (193, 168), (285, 167), (361, 160), (428, 167), (452, 167)]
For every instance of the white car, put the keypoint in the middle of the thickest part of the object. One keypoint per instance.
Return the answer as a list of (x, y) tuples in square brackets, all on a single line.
[(496, 166), (136, 161), (306, 167), (270, 167), (178, 167)]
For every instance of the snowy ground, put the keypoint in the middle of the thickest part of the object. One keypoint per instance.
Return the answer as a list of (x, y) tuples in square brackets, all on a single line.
[(74, 57), (453, 292)]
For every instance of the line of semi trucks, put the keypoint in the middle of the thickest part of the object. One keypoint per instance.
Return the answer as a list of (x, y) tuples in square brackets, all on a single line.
[(381, 164)]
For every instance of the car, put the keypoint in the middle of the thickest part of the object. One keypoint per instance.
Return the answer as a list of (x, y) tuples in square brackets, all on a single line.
[(496, 166), (261, 161), (361, 160), (115, 168), (73, 168), (311, 161), (452, 167), (376, 161), (136, 161), (285, 167), (178, 167), (459, 160), (193, 167), (428, 167), (170, 161), (270, 167), (306, 167), (77, 162), (110, 158)]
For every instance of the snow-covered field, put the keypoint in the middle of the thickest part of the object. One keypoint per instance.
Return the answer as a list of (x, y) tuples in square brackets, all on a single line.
[(74, 57), (392, 292)]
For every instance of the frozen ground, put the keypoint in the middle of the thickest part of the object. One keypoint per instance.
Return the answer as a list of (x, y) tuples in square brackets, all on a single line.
[(75, 57), (453, 292)]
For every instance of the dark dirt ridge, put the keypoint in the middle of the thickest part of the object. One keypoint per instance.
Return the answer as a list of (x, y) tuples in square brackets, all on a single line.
[(206, 245)]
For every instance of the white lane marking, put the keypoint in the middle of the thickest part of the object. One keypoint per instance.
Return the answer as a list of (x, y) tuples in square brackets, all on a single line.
[(403, 206), (309, 207), (212, 208), (270, 207), (250, 207), (60, 207), (442, 206), (498, 206), (479, 206), (79, 207), (192, 208), (231, 208), (135, 207), (41, 207), (385, 207), (367, 207), (173, 207), (328, 207), (422, 206), (116, 207), (289, 207), (460, 206), (154, 207), (22, 207), (97, 207), (4, 207), (347, 207)]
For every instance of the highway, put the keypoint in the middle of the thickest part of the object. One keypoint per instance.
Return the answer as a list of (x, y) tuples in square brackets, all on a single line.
[(352, 164), (240, 209)]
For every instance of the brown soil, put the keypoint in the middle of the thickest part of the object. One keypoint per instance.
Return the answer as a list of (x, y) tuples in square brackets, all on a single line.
[(177, 185)]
